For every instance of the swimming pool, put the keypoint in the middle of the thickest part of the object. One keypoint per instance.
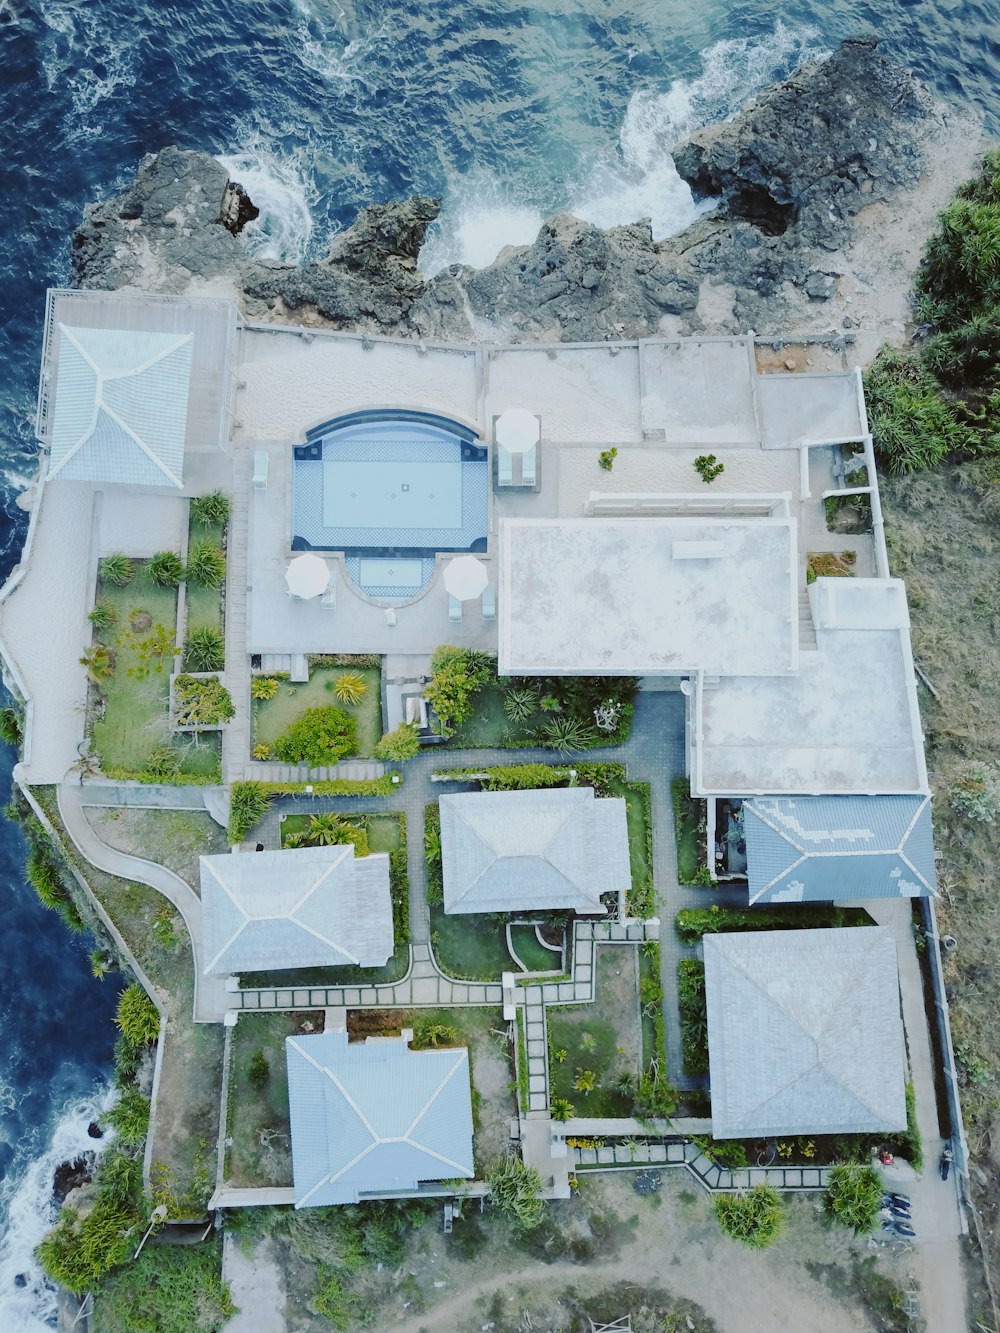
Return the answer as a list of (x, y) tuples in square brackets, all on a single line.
[(390, 490)]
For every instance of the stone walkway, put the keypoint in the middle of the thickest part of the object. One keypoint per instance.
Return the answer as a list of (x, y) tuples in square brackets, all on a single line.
[(236, 736), (712, 1176)]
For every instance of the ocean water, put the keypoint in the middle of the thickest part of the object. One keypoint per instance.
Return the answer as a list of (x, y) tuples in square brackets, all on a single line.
[(508, 111)]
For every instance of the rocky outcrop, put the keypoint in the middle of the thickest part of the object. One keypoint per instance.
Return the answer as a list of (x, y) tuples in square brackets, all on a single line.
[(824, 187)]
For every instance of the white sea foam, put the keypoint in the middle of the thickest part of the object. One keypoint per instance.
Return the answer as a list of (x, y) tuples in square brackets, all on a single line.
[(324, 46), (88, 58), (28, 1211), (637, 177), (283, 188)]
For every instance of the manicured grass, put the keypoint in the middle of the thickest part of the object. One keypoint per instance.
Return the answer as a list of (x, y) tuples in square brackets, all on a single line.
[(471, 947), (252, 1110), (204, 605), (603, 1038), (689, 817), (272, 717), (136, 720), (532, 953)]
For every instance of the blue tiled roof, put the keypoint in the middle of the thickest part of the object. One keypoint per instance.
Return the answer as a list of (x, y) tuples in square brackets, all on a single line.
[(375, 1117), (843, 848)]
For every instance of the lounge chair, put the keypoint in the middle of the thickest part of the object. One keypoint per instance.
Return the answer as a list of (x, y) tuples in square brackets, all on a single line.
[(505, 467), (454, 608), (490, 602), (528, 460)]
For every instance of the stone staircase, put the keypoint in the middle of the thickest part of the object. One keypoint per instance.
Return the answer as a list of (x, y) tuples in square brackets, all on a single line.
[(351, 770), (807, 629), (293, 665)]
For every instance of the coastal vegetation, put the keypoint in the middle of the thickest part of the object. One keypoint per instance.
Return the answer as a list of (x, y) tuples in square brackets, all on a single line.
[(279, 703)]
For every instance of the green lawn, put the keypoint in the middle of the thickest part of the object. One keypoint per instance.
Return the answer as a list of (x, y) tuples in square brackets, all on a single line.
[(204, 605), (533, 954), (490, 727), (253, 1110), (472, 947), (272, 717), (136, 721), (603, 1038)]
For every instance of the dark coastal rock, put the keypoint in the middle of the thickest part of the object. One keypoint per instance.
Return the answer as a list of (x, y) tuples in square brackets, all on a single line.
[(794, 178), (94, 1130), (71, 1175)]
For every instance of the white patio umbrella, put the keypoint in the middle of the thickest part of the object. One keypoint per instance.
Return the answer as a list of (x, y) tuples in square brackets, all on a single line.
[(465, 577), (518, 430), (307, 576)]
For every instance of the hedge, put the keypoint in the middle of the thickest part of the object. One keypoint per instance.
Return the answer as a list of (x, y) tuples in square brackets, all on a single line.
[(693, 922)]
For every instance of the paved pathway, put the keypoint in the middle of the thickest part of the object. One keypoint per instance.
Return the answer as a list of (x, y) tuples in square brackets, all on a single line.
[(210, 997), (236, 736)]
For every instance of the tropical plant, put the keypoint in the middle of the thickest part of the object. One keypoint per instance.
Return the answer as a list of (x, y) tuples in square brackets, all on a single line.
[(913, 425), (163, 762), (549, 703), (516, 1190), (118, 570), (259, 1071), (330, 830), (100, 663), (166, 569), (457, 676), (201, 701), (10, 726), (430, 1035), (753, 1217), (400, 744), (210, 509), (606, 459), (100, 963), (854, 1196), (560, 1055), (519, 703), (263, 687), (262, 752), (206, 563), (708, 467), (137, 1017), (977, 792), (562, 1110), (319, 737), (350, 687), (585, 1081), (104, 615), (248, 804), (129, 1117), (78, 1251), (205, 649), (566, 733)]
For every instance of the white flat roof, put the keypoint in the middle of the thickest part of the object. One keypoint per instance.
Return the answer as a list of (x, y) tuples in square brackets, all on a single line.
[(648, 596), (848, 721)]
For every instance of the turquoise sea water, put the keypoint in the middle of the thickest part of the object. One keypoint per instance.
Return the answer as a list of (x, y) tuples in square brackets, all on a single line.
[(508, 111)]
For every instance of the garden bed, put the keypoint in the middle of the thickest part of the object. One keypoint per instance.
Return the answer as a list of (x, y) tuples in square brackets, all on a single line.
[(689, 830), (693, 922), (603, 1039), (174, 838), (257, 1119), (272, 717), (693, 1015), (204, 606)]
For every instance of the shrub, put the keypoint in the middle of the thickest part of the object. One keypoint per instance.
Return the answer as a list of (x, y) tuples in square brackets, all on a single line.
[(693, 1015), (263, 687), (129, 1117), (457, 676), (431, 1036), (206, 563), (10, 726), (708, 467), (100, 663), (330, 830), (977, 793), (166, 569), (118, 570), (104, 615), (913, 425), (201, 702), (168, 1289), (137, 1017), (754, 1218), (562, 1110), (566, 733), (398, 745), (262, 752), (854, 1196), (163, 762), (205, 649), (350, 688), (320, 736), (606, 459), (519, 704), (210, 509), (45, 877), (78, 1251), (516, 1190), (260, 1070), (248, 804)]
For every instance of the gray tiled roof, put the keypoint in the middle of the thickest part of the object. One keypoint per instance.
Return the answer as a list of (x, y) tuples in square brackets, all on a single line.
[(826, 848), (804, 1032), (375, 1117), (120, 406), (304, 907), (509, 851)]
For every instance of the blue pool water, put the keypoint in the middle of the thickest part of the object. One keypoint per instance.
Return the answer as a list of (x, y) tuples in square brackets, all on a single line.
[(508, 111)]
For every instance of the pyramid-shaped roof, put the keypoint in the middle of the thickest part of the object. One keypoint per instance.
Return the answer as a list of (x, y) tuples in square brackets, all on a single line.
[(804, 1032), (304, 907), (120, 406), (375, 1117), (826, 848), (507, 851)]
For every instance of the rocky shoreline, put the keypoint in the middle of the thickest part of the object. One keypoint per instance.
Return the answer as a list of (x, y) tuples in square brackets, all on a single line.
[(825, 189)]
